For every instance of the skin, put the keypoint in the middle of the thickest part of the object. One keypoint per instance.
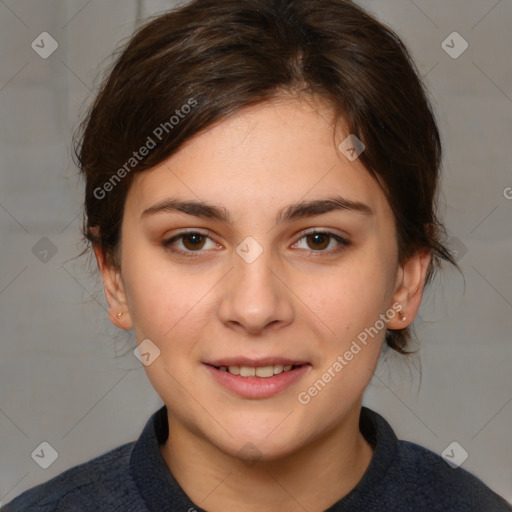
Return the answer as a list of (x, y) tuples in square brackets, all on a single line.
[(298, 299)]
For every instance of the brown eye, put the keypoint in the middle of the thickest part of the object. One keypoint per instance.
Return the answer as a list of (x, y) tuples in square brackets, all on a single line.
[(190, 243), (193, 241), (318, 241)]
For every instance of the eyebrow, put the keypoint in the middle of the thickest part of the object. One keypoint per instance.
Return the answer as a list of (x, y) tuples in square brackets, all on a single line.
[(291, 212)]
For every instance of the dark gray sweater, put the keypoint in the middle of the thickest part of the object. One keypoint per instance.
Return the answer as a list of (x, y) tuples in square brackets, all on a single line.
[(402, 476)]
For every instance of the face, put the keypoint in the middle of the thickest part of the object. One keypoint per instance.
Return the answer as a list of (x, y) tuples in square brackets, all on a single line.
[(247, 283)]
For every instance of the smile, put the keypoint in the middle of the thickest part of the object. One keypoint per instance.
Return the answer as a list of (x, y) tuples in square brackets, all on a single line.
[(257, 382), (261, 371)]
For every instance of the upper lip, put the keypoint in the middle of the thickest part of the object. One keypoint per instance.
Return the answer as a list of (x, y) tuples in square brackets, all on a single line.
[(264, 361)]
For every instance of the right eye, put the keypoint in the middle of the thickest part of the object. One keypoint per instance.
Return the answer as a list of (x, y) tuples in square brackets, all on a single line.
[(193, 241)]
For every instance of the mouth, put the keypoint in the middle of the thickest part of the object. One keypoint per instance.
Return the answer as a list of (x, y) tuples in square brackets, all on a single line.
[(263, 372), (257, 379)]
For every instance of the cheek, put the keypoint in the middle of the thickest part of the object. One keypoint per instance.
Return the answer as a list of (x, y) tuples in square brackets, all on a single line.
[(156, 296), (354, 295), (165, 299)]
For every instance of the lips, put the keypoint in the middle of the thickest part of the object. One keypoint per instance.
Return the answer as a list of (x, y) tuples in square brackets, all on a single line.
[(258, 371), (259, 378), (254, 363), (262, 368)]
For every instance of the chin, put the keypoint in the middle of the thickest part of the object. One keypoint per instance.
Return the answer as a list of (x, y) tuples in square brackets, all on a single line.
[(249, 447)]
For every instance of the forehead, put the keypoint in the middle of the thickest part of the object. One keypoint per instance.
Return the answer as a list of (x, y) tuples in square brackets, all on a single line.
[(260, 159)]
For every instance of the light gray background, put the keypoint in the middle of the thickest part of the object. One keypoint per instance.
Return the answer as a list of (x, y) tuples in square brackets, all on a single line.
[(60, 379)]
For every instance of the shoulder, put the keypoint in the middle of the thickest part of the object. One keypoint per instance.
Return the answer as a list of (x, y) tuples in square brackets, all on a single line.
[(92, 485), (405, 476), (423, 476)]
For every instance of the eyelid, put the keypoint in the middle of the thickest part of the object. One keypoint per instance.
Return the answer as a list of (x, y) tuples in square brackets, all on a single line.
[(342, 241), (327, 231), (167, 242)]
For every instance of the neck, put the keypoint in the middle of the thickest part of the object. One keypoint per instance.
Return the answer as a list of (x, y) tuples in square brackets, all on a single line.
[(312, 478)]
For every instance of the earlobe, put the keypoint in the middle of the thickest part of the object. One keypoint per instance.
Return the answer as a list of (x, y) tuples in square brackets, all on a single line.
[(114, 291), (409, 288)]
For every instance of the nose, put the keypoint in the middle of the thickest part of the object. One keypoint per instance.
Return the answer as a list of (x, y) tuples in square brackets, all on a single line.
[(255, 295)]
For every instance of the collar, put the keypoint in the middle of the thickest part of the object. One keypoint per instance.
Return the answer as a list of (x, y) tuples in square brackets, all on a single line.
[(160, 490), (157, 486)]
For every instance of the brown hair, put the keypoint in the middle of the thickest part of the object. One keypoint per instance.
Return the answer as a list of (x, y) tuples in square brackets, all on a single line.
[(199, 64)]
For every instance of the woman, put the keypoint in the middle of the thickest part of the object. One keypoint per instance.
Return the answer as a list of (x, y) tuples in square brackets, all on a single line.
[(261, 181)]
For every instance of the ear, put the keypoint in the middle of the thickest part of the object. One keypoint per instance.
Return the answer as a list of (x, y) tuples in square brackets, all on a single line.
[(409, 287), (114, 292)]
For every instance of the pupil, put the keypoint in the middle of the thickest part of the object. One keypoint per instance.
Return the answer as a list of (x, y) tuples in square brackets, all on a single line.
[(193, 239), (323, 237)]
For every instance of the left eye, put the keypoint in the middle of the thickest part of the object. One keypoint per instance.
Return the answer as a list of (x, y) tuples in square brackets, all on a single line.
[(191, 240), (322, 240), (194, 241)]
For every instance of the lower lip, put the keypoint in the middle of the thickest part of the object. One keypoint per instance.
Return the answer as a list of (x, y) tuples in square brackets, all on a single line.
[(258, 387)]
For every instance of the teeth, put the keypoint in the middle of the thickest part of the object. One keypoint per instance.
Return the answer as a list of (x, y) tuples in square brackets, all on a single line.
[(262, 371), (265, 371), (278, 368), (235, 370), (247, 371)]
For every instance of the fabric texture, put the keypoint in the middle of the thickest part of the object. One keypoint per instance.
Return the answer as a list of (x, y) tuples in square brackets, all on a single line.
[(402, 476)]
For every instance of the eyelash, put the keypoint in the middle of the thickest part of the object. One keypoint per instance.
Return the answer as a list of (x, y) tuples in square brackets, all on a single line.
[(344, 243)]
